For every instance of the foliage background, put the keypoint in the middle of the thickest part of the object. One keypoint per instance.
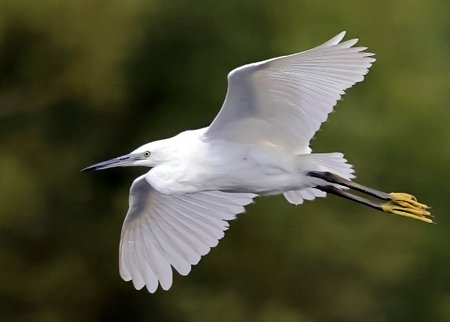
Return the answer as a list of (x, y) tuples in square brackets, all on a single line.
[(83, 81)]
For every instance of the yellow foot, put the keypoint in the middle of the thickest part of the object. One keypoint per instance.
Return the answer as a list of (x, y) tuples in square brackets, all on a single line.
[(406, 205)]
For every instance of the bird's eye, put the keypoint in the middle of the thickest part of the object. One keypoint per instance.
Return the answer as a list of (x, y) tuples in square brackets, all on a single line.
[(146, 154)]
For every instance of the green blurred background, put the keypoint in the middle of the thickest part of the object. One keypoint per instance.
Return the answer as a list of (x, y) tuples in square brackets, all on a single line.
[(84, 81)]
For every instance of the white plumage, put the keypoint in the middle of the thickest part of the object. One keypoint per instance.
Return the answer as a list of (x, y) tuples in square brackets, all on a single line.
[(257, 145), (283, 101), (161, 231)]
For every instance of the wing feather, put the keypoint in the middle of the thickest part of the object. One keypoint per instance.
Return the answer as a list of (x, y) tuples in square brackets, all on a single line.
[(185, 230), (145, 271), (164, 231), (184, 246), (174, 254), (283, 101), (212, 229)]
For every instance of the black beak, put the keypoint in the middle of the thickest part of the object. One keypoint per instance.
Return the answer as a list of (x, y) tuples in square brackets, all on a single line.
[(116, 162)]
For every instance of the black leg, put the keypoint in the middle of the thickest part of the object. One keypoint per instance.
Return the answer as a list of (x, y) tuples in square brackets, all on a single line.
[(347, 195), (333, 178), (402, 204)]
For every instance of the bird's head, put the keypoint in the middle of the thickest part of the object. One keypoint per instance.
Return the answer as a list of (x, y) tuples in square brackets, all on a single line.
[(146, 156)]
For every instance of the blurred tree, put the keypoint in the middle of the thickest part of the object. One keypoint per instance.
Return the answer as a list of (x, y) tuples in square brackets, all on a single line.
[(81, 81)]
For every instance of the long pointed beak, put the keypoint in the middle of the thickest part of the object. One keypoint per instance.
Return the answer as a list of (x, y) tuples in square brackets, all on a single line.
[(122, 161)]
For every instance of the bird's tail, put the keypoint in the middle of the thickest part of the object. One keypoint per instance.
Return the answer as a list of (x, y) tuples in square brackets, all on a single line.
[(331, 162), (324, 162)]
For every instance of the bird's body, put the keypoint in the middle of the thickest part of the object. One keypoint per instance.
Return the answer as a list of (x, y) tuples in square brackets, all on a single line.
[(257, 145), (193, 163)]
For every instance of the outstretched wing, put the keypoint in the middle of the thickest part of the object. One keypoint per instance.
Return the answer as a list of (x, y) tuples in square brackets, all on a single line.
[(283, 101), (164, 231)]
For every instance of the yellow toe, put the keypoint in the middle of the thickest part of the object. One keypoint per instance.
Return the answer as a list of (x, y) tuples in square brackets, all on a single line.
[(404, 204)]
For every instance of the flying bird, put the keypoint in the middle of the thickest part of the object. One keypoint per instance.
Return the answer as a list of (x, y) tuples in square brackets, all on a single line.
[(257, 145)]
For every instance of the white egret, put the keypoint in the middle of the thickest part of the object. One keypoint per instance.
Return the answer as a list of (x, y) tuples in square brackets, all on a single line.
[(257, 145)]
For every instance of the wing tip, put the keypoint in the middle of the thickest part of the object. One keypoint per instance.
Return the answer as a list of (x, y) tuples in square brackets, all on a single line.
[(341, 35), (335, 40)]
